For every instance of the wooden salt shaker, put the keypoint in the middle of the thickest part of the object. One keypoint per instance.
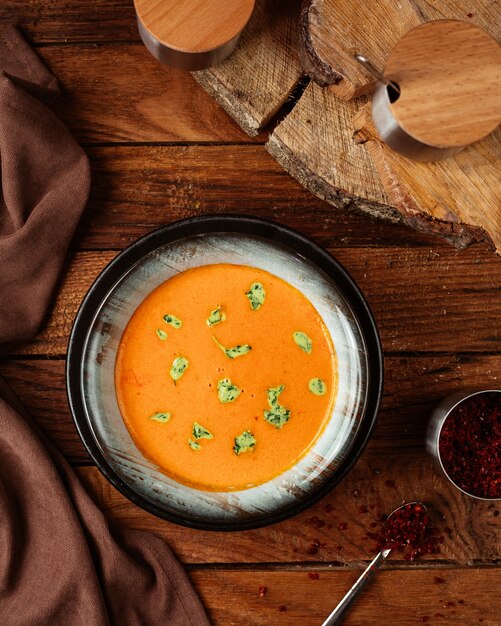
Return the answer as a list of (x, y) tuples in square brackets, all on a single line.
[(192, 34), (441, 90)]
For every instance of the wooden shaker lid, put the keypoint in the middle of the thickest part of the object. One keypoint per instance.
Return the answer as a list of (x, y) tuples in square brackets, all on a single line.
[(192, 34), (449, 75)]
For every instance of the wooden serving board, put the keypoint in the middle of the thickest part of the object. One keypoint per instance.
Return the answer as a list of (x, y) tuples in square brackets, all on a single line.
[(262, 83), (332, 32)]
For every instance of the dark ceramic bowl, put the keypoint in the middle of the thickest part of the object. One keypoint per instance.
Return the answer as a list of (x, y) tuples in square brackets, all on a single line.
[(142, 267)]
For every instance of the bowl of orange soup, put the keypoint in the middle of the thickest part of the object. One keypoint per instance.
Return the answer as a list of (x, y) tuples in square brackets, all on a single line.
[(224, 372)]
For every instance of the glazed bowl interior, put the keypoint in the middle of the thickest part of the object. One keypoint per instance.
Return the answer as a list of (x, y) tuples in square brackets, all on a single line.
[(131, 278)]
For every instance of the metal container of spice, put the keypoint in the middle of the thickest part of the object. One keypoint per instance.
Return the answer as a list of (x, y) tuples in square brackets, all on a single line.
[(464, 438)]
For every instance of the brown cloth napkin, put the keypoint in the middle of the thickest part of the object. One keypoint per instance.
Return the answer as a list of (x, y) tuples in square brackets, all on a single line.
[(60, 564)]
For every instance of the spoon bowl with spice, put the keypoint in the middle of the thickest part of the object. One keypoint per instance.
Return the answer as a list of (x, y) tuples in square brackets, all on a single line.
[(406, 528), (464, 438)]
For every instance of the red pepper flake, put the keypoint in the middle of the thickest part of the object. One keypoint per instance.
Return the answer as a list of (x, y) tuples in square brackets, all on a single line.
[(438, 580), (470, 15), (363, 509), (282, 608), (313, 575), (460, 601), (316, 522), (328, 508), (315, 547), (496, 513), (343, 526), (263, 591), (470, 445), (449, 605), (339, 548), (390, 484)]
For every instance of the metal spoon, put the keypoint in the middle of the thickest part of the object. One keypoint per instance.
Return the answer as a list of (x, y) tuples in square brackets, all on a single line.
[(364, 578)]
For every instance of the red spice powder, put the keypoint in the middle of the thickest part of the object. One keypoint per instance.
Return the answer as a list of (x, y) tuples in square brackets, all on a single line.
[(470, 445)]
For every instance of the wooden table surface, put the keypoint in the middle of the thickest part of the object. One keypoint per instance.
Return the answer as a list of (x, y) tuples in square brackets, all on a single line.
[(161, 150)]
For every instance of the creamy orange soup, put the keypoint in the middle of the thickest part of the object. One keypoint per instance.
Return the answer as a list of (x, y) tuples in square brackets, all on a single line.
[(225, 376)]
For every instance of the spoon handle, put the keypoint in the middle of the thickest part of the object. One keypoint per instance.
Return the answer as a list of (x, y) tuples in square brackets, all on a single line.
[(362, 580)]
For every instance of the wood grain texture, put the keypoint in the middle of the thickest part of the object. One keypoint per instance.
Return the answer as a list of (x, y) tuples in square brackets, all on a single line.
[(402, 597), (314, 144), (332, 33), (449, 76), (40, 385), (194, 26), (459, 197), (415, 310), (120, 93), (255, 81), (138, 188), (60, 21), (380, 481)]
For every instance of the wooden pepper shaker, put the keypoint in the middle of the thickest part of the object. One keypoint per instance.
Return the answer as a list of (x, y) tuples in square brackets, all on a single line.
[(192, 34), (441, 90)]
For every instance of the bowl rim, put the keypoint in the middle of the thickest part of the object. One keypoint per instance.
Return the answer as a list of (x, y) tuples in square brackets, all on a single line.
[(267, 230)]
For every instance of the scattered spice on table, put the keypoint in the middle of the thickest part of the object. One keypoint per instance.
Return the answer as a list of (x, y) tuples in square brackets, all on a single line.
[(313, 575), (263, 591), (316, 522), (470, 445), (315, 546)]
